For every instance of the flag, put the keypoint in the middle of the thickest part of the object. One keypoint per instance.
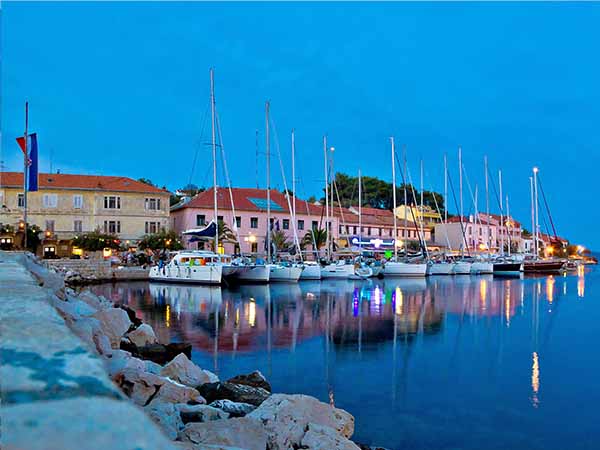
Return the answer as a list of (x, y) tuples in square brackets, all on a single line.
[(32, 160)]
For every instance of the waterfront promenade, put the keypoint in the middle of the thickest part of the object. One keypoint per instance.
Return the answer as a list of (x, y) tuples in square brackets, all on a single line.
[(55, 393)]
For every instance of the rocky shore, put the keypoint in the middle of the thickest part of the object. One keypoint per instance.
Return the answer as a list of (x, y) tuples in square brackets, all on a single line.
[(192, 406)]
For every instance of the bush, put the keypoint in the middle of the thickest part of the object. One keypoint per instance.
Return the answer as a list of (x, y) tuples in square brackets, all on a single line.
[(96, 240), (164, 239)]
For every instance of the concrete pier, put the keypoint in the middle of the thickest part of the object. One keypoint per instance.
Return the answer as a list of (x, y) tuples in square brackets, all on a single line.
[(55, 393)]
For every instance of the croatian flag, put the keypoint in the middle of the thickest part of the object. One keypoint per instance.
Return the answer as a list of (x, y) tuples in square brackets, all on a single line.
[(32, 160)]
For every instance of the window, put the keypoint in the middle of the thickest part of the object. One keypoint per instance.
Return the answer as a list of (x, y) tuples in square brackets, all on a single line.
[(391, 231), (112, 202), (381, 232), (78, 201), (50, 225), (315, 224), (254, 247), (355, 230), (49, 200), (200, 219), (21, 200), (253, 222), (152, 204), (340, 229), (301, 224), (369, 231), (112, 226), (286, 224), (77, 226), (152, 227), (238, 221), (200, 245), (219, 219)]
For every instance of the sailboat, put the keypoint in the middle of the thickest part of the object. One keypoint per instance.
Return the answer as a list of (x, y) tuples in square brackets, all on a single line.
[(395, 268), (277, 271), (462, 266), (536, 264)]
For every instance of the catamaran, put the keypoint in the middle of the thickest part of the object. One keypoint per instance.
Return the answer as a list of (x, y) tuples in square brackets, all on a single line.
[(190, 266)]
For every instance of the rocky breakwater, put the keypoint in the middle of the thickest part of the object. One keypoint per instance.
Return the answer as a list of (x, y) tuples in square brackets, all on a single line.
[(192, 405)]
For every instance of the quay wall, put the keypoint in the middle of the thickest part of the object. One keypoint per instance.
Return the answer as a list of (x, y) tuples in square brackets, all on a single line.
[(98, 270)]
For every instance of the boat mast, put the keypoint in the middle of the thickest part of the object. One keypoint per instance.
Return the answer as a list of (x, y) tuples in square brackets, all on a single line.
[(326, 198), (532, 214), (293, 177), (460, 183), (421, 215), (268, 150), (405, 231), (507, 227), (360, 212), (214, 155), (501, 214), (445, 189), (536, 212), (329, 227), (487, 205), (394, 200)]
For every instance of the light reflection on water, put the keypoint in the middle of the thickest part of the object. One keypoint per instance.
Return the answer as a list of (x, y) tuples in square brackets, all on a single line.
[(447, 362)]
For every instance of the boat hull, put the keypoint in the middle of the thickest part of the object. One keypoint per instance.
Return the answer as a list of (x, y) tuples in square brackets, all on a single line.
[(402, 269), (337, 271), (254, 274), (443, 268), (186, 274), (543, 266), (507, 269), (462, 268), (311, 272), (480, 267), (284, 273)]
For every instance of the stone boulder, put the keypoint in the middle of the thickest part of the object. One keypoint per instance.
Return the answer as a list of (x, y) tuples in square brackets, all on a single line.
[(93, 300), (234, 392), (174, 392), (158, 353), (142, 335), (318, 437), (132, 315), (254, 379), (200, 413), (286, 418), (73, 308), (184, 371), (232, 408), (152, 367), (115, 323), (242, 432), (166, 415), (119, 360)]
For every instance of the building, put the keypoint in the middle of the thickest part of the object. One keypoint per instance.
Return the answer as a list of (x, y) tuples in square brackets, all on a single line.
[(248, 219), (481, 232), (68, 205), (418, 214)]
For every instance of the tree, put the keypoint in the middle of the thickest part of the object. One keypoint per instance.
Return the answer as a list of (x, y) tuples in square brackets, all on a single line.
[(96, 240), (6, 228), (280, 240), (163, 240), (146, 181), (225, 235), (33, 238), (315, 238)]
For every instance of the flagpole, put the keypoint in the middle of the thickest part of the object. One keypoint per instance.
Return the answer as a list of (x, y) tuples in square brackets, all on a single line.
[(26, 157)]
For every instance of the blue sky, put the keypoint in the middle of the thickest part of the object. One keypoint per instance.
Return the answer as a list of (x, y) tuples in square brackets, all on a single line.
[(122, 89)]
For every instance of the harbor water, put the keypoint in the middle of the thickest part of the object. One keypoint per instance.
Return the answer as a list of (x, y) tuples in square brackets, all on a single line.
[(463, 362)]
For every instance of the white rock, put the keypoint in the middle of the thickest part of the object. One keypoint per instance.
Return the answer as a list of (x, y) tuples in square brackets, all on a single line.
[(242, 432), (96, 302), (139, 386), (142, 335), (119, 360), (102, 344), (184, 371), (286, 418), (74, 309), (318, 437), (87, 329), (200, 413), (152, 367), (167, 416), (173, 392), (234, 408), (115, 323)]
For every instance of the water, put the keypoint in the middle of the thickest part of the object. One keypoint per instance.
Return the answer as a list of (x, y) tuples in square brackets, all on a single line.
[(444, 363)]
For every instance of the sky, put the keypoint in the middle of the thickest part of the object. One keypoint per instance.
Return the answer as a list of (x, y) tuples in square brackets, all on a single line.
[(123, 89)]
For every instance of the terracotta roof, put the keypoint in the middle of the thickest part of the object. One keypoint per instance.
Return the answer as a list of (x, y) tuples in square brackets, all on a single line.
[(250, 199), (371, 217), (84, 182)]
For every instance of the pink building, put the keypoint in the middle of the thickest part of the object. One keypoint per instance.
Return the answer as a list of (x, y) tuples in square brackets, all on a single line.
[(249, 217)]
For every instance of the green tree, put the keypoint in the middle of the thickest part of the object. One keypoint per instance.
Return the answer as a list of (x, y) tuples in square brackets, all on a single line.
[(33, 238), (315, 238), (163, 240), (96, 240), (146, 181), (7, 228), (280, 240), (225, 235)]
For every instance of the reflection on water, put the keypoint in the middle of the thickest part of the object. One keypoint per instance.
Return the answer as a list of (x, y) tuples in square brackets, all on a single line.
[(421, 363)]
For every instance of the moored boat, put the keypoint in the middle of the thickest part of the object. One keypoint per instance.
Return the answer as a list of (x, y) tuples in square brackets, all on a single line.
[(404, 269), (190, 266), (507, 268), (284, 272), (543, 266), (311, 271), (482, 267), (339, 269), (462, 268), (440, 268)]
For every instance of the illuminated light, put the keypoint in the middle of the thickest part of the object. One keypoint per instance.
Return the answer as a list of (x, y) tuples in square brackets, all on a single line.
[(77, 251), (399, 301), (535, 379), (168, 316), (237, 317), (252, 238), (252, 314), (550, 288), (377, 296), (581, 287), (483, 293), (580, 270), (535, 170), (106, 252), (507, 303)]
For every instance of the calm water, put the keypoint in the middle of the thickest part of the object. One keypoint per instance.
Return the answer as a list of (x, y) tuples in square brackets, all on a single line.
[(443, 363)]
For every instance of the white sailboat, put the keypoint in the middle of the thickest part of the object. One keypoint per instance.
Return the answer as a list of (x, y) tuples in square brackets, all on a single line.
[(462, 266), (394, 267), (190, 266)]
